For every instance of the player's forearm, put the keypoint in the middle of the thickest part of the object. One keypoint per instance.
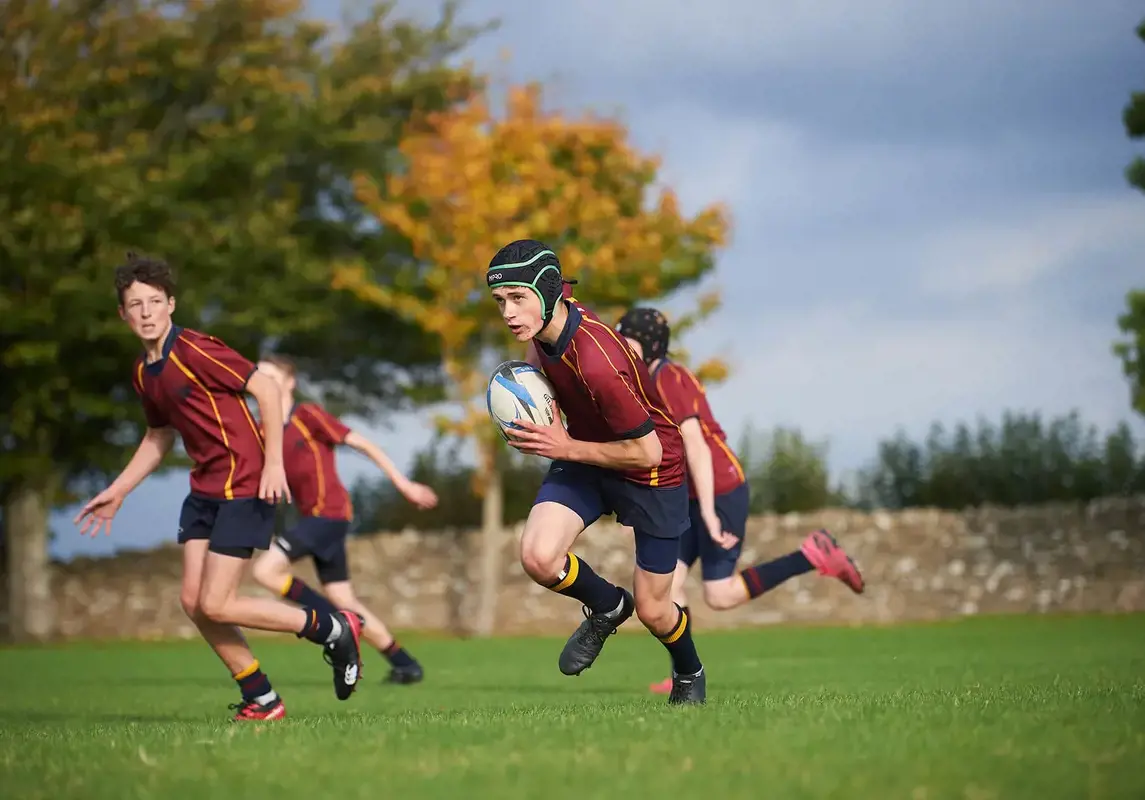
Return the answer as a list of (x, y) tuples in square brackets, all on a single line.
[(377, 455), (642, 453), (156, 444), (700, 471)]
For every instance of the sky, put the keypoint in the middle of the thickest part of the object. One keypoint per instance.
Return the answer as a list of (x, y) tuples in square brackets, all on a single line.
[(931, 220)]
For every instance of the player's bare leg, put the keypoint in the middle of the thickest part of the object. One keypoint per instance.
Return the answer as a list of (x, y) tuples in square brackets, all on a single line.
[(550, 532), (272, 570), (819, 551), (338, 634), (680, 598), (669, 623), (260, 701), (405, 669)]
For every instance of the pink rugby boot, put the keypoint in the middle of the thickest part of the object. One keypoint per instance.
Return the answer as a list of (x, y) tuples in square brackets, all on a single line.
[(830, 560), (661, 687)]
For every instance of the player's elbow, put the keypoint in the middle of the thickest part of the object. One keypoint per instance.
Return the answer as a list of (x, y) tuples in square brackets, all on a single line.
[(649, 451)]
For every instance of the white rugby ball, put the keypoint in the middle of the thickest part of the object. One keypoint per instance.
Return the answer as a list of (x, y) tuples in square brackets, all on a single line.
[(518, 390)]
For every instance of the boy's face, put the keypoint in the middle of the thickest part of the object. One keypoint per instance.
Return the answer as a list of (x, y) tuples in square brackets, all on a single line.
[(278, 375), (147, 309), (521, 310)]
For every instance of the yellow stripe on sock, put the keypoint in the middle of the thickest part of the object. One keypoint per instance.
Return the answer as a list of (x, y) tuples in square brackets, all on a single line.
[(246, 673), (285, 590), (570, 578), (679, 630)]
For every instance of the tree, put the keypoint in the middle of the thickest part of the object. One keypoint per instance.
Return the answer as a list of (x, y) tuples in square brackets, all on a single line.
[(189, 130), (1131, 350), (1021, 461), (786, 472), (471, 182), (380, 507)]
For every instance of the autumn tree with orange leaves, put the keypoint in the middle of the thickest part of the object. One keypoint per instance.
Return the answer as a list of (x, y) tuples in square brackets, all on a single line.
[(472, 181)]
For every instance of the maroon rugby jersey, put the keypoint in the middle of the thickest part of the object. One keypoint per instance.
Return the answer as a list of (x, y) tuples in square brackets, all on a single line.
[(308, 445), (685, 399), (607, 394), (197, 389)]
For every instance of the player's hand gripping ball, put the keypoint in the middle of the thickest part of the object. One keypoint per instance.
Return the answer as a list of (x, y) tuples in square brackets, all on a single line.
[(519, 391)]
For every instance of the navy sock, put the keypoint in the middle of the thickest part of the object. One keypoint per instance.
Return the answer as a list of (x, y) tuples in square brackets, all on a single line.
[(318, 626), (766, 576), (254, 684), (397, 655), (298, 592), (577, 580), (681, 647)]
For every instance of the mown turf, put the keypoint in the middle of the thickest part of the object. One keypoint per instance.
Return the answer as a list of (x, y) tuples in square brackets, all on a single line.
[(1012, 708)]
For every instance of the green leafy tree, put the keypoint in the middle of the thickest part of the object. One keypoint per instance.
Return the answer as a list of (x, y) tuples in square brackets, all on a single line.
[(1021, 461), (221, 135), (1131, 349), (786, 471)]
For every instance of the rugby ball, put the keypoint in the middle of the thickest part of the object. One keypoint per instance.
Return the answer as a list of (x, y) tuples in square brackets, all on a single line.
[(518, 390)]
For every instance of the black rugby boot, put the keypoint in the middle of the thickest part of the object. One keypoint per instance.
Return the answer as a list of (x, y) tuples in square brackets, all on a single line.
[(409, 673), (344, 654), (585, 644), (689, 689)]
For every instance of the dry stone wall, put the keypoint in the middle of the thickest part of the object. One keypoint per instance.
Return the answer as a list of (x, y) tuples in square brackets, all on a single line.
[(919, 565)]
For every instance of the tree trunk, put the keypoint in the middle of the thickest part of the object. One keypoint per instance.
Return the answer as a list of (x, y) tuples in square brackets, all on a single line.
[(31, 612), (489, 558)]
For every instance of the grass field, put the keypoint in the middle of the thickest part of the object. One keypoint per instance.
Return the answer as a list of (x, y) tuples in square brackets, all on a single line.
[(1002, 708)]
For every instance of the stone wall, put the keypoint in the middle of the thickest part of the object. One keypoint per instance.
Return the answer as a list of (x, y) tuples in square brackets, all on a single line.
[(919, 564)]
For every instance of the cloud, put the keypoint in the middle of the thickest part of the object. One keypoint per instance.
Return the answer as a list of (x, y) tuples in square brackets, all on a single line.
[(640, 38), (852, 375), (993, 255)]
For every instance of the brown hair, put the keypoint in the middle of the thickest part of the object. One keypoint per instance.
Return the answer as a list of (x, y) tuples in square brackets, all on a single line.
[(282, 362), (151, 271)]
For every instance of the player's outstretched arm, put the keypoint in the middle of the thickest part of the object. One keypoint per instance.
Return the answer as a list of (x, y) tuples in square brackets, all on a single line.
[(154, 447), (419, 494), (99, 511), (266, 393)]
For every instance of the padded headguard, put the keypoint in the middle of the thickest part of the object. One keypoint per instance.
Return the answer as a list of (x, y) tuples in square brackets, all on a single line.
[(529, 263), (649, 327)]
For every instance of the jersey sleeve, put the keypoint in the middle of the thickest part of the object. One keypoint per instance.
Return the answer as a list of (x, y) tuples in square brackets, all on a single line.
[(613, 388), (679, 393), (219, 367), (324, 426), (152, 413)]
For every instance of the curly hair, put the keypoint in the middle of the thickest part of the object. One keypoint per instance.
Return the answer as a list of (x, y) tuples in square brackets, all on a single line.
[(151, 271)]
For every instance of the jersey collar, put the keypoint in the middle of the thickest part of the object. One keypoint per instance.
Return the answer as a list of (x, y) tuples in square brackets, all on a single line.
[(156, 367), (571, 325)]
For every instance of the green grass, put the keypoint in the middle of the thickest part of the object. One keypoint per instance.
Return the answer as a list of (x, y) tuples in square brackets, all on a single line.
[(992, 708)]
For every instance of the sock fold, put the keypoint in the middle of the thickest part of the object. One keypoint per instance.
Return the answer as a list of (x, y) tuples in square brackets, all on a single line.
[(577, 580)]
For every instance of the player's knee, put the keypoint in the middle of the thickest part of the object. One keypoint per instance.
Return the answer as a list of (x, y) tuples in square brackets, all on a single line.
[(543, 567), (268, 574), (215, 609), (721, 595), (657, 613), (189, 599)]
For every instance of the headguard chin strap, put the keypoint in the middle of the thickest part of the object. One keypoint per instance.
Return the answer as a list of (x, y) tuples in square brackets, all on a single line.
[(649, 327), (529, 263)]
